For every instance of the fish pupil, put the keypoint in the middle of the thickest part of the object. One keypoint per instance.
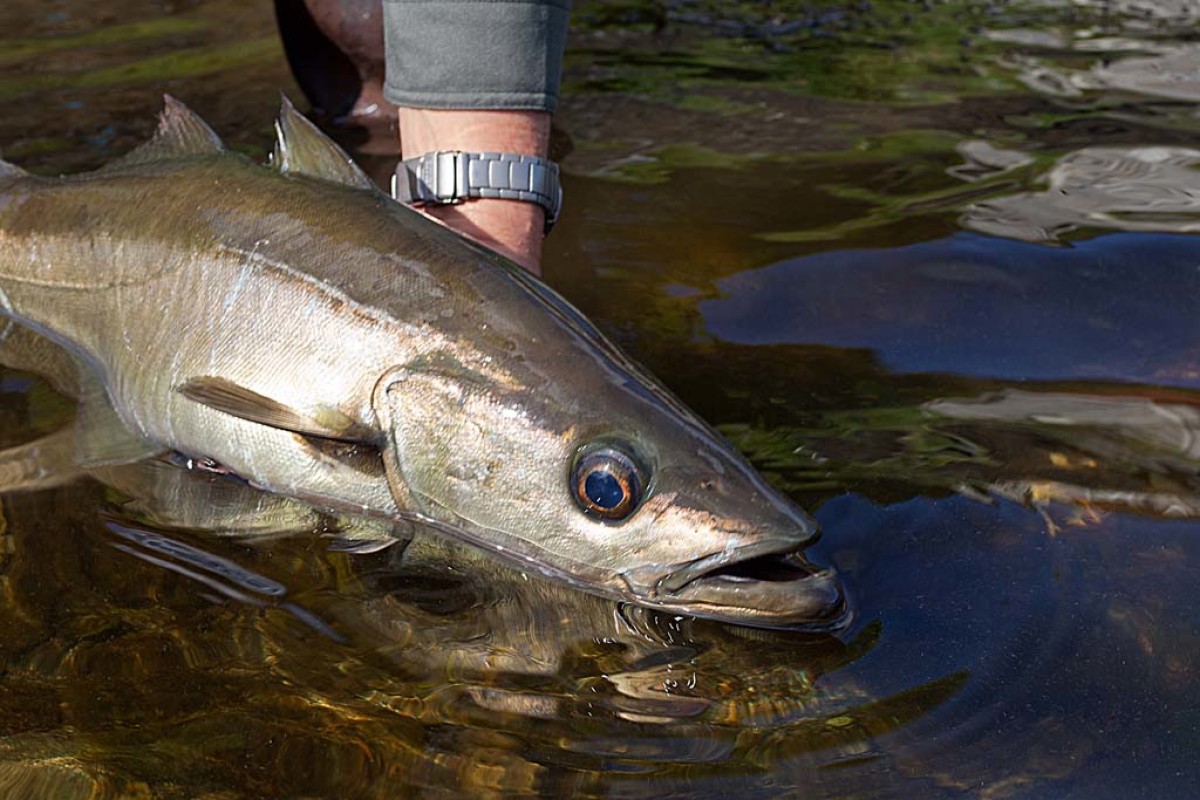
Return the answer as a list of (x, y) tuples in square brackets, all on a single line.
[(604, 489)]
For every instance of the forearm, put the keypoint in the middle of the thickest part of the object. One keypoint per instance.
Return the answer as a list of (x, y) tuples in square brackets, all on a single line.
[(478, 76)]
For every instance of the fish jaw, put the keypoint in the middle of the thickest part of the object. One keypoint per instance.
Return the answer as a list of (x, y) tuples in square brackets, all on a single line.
[(757, 573), (769, 584)]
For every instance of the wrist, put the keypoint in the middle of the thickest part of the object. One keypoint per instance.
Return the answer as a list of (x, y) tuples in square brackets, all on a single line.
[(512, 227)]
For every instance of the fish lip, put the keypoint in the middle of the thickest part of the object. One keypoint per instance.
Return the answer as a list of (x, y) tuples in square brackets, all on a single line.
[(799, 595), (694, 570)]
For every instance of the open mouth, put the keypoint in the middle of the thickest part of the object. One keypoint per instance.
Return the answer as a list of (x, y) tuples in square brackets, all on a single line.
[(775, 568), (770, 585)]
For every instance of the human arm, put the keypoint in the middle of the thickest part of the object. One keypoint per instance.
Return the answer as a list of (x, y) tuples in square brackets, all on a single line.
[(478, 76), (512, 228)]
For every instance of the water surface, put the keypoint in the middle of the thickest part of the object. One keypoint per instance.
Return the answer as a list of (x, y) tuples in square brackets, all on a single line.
[(929, 265)]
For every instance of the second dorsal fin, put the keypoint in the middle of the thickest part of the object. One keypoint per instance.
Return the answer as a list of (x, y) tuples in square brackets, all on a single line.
[(10, 171), (180, 134), (301, 149)]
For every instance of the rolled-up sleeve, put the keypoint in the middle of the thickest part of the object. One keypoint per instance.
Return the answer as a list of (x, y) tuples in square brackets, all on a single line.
[(475, 54)]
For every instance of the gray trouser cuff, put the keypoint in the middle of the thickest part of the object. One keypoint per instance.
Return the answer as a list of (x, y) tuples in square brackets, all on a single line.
[(480, 54)]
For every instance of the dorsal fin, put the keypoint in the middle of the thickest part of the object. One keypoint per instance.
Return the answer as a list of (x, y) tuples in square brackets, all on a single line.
[(181, 134), (10, 172), (301, 149)]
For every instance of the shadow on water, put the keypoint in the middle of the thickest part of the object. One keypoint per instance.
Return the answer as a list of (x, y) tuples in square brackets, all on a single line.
[(928, 265)]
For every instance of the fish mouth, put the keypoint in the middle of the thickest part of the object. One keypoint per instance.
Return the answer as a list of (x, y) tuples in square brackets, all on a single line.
[(770, 584)]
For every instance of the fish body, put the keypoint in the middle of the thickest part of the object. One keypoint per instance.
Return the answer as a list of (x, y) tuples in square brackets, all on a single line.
[(302, 330)]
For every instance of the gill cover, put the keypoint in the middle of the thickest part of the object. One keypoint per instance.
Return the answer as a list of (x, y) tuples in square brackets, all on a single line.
[(447, 459)]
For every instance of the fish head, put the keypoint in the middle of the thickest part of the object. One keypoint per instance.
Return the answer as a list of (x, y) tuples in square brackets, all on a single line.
[(600, 483)]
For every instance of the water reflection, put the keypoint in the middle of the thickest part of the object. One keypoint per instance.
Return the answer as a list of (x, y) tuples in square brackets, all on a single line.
[(1170, 73), (997, 437), (982, 306), (983, 160), (1130, 189), (449, 651), (1098, 439)]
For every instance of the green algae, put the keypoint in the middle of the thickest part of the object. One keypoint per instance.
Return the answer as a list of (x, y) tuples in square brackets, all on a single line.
[(12, 50), (889, 51), (891, 445), (715, 104), (657, 165), (914, 179), (657, 168), (34, 147), (176, 65), (892, 177)]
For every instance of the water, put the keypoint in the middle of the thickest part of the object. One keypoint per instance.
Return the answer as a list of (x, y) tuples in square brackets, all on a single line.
[(929, 265)]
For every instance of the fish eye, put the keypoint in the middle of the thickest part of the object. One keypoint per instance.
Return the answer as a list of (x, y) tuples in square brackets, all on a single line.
[(607, 483)]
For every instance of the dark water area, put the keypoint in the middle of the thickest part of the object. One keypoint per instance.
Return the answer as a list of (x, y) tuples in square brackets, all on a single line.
[(982, 307), (932, 267)]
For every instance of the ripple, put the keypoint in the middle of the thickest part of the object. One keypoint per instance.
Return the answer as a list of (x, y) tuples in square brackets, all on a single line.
[(1129, 189)]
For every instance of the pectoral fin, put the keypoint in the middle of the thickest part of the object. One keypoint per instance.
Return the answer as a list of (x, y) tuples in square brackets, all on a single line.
[(238, 401), (102, 438), (365, 536)]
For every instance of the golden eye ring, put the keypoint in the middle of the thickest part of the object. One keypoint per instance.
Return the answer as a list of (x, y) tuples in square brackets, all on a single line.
[(607, 484)]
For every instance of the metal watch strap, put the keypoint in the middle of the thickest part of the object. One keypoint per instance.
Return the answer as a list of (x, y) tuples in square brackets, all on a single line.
[(445, 177)]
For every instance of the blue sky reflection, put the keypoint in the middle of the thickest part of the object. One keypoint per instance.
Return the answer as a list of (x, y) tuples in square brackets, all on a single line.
[(1118, 307)]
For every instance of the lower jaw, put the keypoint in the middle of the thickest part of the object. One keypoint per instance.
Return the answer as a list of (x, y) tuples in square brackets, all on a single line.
[(814, 603)]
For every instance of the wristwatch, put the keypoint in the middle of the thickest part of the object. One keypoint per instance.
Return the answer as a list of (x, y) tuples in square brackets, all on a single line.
[(444, 177)]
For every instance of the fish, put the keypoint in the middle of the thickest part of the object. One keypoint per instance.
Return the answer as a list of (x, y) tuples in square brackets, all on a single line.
[(293, 325)]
